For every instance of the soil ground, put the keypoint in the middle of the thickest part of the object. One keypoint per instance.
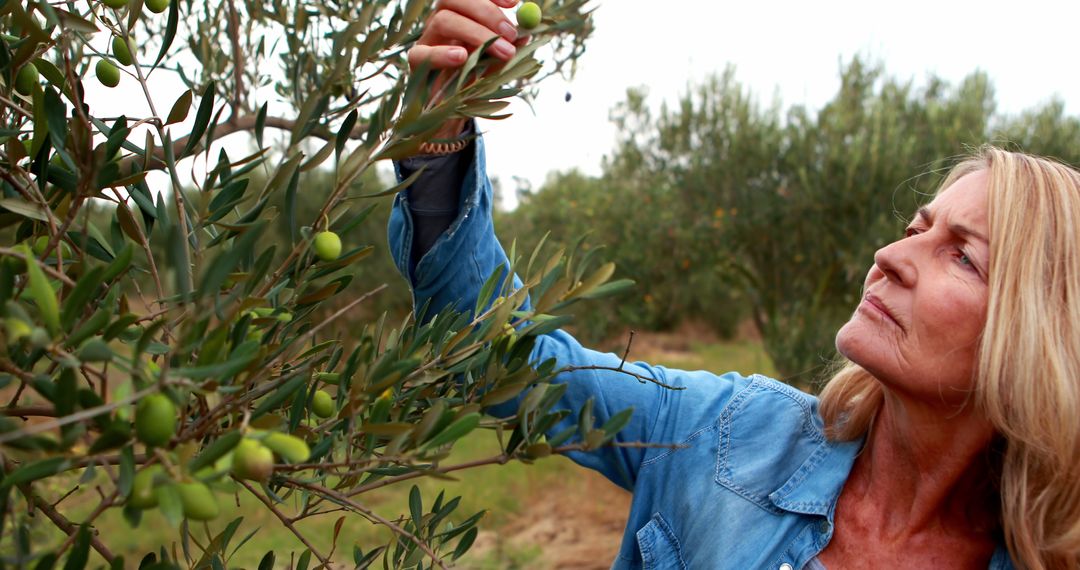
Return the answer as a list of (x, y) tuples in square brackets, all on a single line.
[(579, 528)]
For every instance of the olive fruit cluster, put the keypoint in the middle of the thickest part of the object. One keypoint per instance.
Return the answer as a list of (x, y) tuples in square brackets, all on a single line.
[(252, 458), (106, 71)]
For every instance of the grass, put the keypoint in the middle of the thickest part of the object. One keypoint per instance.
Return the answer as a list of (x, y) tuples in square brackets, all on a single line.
[(503, 490)]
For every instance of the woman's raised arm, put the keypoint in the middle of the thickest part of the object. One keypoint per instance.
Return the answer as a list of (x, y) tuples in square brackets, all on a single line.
[(447, 269)]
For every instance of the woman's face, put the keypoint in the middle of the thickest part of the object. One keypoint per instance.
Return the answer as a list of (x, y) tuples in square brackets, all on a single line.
[(924, 300)]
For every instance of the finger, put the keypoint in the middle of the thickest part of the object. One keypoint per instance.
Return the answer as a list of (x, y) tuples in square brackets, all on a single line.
[(438, 57), (519, 43), (483, 12), (447, 26)]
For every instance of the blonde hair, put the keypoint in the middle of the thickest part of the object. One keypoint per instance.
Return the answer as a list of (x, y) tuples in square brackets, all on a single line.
[(1027, 379)]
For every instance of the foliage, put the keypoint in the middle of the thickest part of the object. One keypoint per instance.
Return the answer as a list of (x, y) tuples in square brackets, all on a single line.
[(724, 209), (156, 332)]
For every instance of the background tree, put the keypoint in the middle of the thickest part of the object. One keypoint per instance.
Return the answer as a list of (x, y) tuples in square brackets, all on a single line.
[(174, 344), (725, 209)]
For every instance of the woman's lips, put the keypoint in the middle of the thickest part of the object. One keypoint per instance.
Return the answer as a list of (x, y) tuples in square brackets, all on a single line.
[(874, 304)]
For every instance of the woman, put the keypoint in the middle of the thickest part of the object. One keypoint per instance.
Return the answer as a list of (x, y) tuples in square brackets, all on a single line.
[(949, 440)]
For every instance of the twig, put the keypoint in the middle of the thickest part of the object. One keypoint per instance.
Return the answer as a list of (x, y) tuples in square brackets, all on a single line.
[(31, 259), (58, 519), (640, 377), (101, 508), (343, 500), (236, 125), (76, 417), (15, 107), (285, 521), (26, 411), (238, 59), (627, 351), (500, 459), (65, 495), (267, 387)]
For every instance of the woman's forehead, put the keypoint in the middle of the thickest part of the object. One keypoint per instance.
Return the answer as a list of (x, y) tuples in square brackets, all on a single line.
[(964, 202)]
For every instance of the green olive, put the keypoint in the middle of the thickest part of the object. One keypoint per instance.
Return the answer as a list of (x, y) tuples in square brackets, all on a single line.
[(288, 447), (41, 242), (328, 377), (261, 312), (142, 488), (116, 4), (122, 50), (322, 403), (27, 78), (327, 246), (155, 420), (156, 6), (198, 501), (17, 329), (107, 73), (528, 15), (252, 460)]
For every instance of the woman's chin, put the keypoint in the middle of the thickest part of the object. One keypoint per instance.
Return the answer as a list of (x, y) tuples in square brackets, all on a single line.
[(853, 342)]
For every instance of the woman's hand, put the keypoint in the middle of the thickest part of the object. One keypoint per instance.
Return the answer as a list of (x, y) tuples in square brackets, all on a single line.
[(454, 29)]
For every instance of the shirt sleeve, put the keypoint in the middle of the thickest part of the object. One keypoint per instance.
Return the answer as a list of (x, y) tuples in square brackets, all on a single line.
[(450, 275), (435, 193)]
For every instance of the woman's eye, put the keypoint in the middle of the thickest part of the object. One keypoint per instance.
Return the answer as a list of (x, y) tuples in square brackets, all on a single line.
[(963, 258), (910, 232)]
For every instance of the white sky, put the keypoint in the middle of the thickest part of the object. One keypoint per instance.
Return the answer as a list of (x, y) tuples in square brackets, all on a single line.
[(791, 49), (1030, 49)]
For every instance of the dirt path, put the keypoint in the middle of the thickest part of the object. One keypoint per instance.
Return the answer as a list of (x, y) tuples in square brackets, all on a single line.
[(579, 527)]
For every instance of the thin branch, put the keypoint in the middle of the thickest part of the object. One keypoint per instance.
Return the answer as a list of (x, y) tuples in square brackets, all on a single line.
[(500, 459), (236, 125), (264, 388), (343, 500), (238, 59), (76, 417), (46, 267), (101, 508), (58, 519), (640, 377), (627, 351), (285, 521), (15, 107), (29, 411)]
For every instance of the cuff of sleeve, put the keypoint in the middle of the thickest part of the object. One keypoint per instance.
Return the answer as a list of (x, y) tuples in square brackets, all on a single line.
[(473, 208)]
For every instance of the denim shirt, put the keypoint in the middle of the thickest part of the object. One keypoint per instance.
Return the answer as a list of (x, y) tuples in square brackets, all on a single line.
[(754, 483)]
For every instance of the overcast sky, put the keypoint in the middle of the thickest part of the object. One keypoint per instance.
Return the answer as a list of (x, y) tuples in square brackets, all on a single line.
[(1031, 51)]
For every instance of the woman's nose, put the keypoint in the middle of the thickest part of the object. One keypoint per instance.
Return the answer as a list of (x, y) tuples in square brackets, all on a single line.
[(895, 261)]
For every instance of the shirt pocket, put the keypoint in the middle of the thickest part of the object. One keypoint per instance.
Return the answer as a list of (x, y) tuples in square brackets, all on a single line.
[(658, 546)]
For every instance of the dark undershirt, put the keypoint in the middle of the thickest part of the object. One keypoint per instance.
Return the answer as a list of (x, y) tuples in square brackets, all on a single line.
[(434, 195)]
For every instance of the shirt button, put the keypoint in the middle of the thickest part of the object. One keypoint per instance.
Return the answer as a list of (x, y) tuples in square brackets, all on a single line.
[(785, 566)]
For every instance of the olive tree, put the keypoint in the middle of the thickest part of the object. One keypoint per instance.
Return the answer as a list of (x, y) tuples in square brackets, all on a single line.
[(158, 337)]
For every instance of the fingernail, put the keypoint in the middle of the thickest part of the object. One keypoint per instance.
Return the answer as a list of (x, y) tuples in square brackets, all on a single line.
[(504, 48), (458, 54), (508, 31)]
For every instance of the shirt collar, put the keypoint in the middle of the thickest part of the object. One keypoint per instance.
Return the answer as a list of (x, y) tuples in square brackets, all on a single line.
[(815, 486)]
